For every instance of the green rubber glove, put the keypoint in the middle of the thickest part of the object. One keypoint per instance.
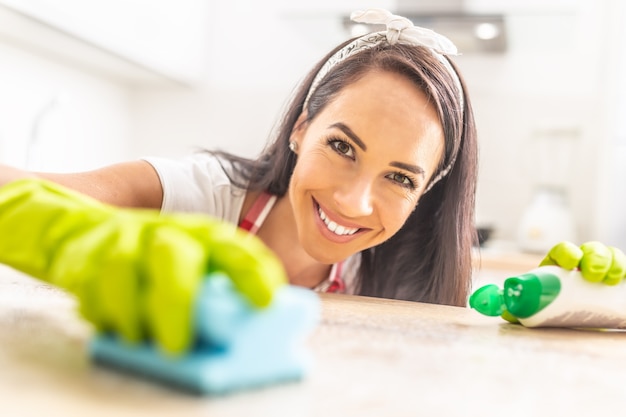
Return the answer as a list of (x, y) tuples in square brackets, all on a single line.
[(596, 261), (134, 272)]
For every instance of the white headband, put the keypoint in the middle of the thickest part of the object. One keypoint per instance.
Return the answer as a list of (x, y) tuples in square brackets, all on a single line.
[(399, 30)]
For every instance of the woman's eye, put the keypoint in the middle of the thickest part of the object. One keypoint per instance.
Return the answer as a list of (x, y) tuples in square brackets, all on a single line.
[(402, 180), (342, 147)]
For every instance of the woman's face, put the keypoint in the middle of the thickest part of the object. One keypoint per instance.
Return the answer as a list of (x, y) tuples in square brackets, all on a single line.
[(363, 163)]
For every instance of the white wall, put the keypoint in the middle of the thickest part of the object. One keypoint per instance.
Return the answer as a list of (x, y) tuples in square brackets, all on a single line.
[(559, 73), (610, 218), (84, 120), (548, 81)]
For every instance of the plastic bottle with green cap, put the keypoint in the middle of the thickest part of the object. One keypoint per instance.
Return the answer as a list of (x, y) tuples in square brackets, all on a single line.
[(551, 296)]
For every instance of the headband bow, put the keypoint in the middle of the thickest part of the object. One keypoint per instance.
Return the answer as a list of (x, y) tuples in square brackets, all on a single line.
[(401, 29)]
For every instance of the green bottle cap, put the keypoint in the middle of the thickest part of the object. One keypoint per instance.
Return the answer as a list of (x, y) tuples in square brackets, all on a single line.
[(527, 294), (488, 300)]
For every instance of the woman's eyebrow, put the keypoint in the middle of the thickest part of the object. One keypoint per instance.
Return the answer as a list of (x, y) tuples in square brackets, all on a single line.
[(345, 129), (412, 168)]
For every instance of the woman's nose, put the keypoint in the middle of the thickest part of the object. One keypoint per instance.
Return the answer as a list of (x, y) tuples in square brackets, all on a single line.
[(355, 198)]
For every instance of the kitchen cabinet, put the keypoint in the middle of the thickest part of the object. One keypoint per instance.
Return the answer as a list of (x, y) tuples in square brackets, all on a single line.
[(138, 41)]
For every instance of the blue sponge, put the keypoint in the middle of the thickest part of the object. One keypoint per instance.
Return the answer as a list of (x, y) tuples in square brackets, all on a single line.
[(237, 346)]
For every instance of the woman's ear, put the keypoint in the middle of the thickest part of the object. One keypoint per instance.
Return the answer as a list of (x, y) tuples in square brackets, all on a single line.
[(299, 128)]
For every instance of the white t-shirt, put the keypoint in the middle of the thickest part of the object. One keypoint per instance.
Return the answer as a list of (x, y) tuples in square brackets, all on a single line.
[(198, 184)]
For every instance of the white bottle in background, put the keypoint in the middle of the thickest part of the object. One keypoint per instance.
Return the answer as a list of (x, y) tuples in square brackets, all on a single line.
[(547, 221)]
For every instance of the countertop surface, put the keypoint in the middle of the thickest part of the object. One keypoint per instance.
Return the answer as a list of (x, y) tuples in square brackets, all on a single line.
[(373, 357)]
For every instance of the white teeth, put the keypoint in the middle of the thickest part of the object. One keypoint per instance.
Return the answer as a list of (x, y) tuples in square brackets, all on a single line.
[(334, 227)]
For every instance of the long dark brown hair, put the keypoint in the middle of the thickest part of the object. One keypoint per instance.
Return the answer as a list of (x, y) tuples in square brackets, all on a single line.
[(429, 258)]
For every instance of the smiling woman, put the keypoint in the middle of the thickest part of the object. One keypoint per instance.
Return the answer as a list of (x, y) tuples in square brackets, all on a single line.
[(368, 185), (376, 157), (371, 181)]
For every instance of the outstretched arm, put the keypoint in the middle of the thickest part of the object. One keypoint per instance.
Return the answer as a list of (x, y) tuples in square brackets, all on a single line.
[(128, 184), (136, 273), (9, 174)]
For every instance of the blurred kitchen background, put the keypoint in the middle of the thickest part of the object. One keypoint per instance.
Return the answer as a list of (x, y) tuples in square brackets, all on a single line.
[(85, 83)]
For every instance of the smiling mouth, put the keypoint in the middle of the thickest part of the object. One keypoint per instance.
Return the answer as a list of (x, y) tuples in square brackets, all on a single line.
[(334, 227)]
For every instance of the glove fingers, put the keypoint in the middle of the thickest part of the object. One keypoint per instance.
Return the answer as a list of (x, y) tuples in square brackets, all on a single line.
[(617, 270), (596, 261), (564, 254), (254, 269), (118, 280), (175, 264), (75, 266)]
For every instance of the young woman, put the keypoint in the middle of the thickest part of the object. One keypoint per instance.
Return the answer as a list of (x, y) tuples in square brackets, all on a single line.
[(368, 186)]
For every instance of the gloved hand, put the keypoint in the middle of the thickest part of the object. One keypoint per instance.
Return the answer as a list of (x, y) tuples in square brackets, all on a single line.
[(597, 262), (134, 272)]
